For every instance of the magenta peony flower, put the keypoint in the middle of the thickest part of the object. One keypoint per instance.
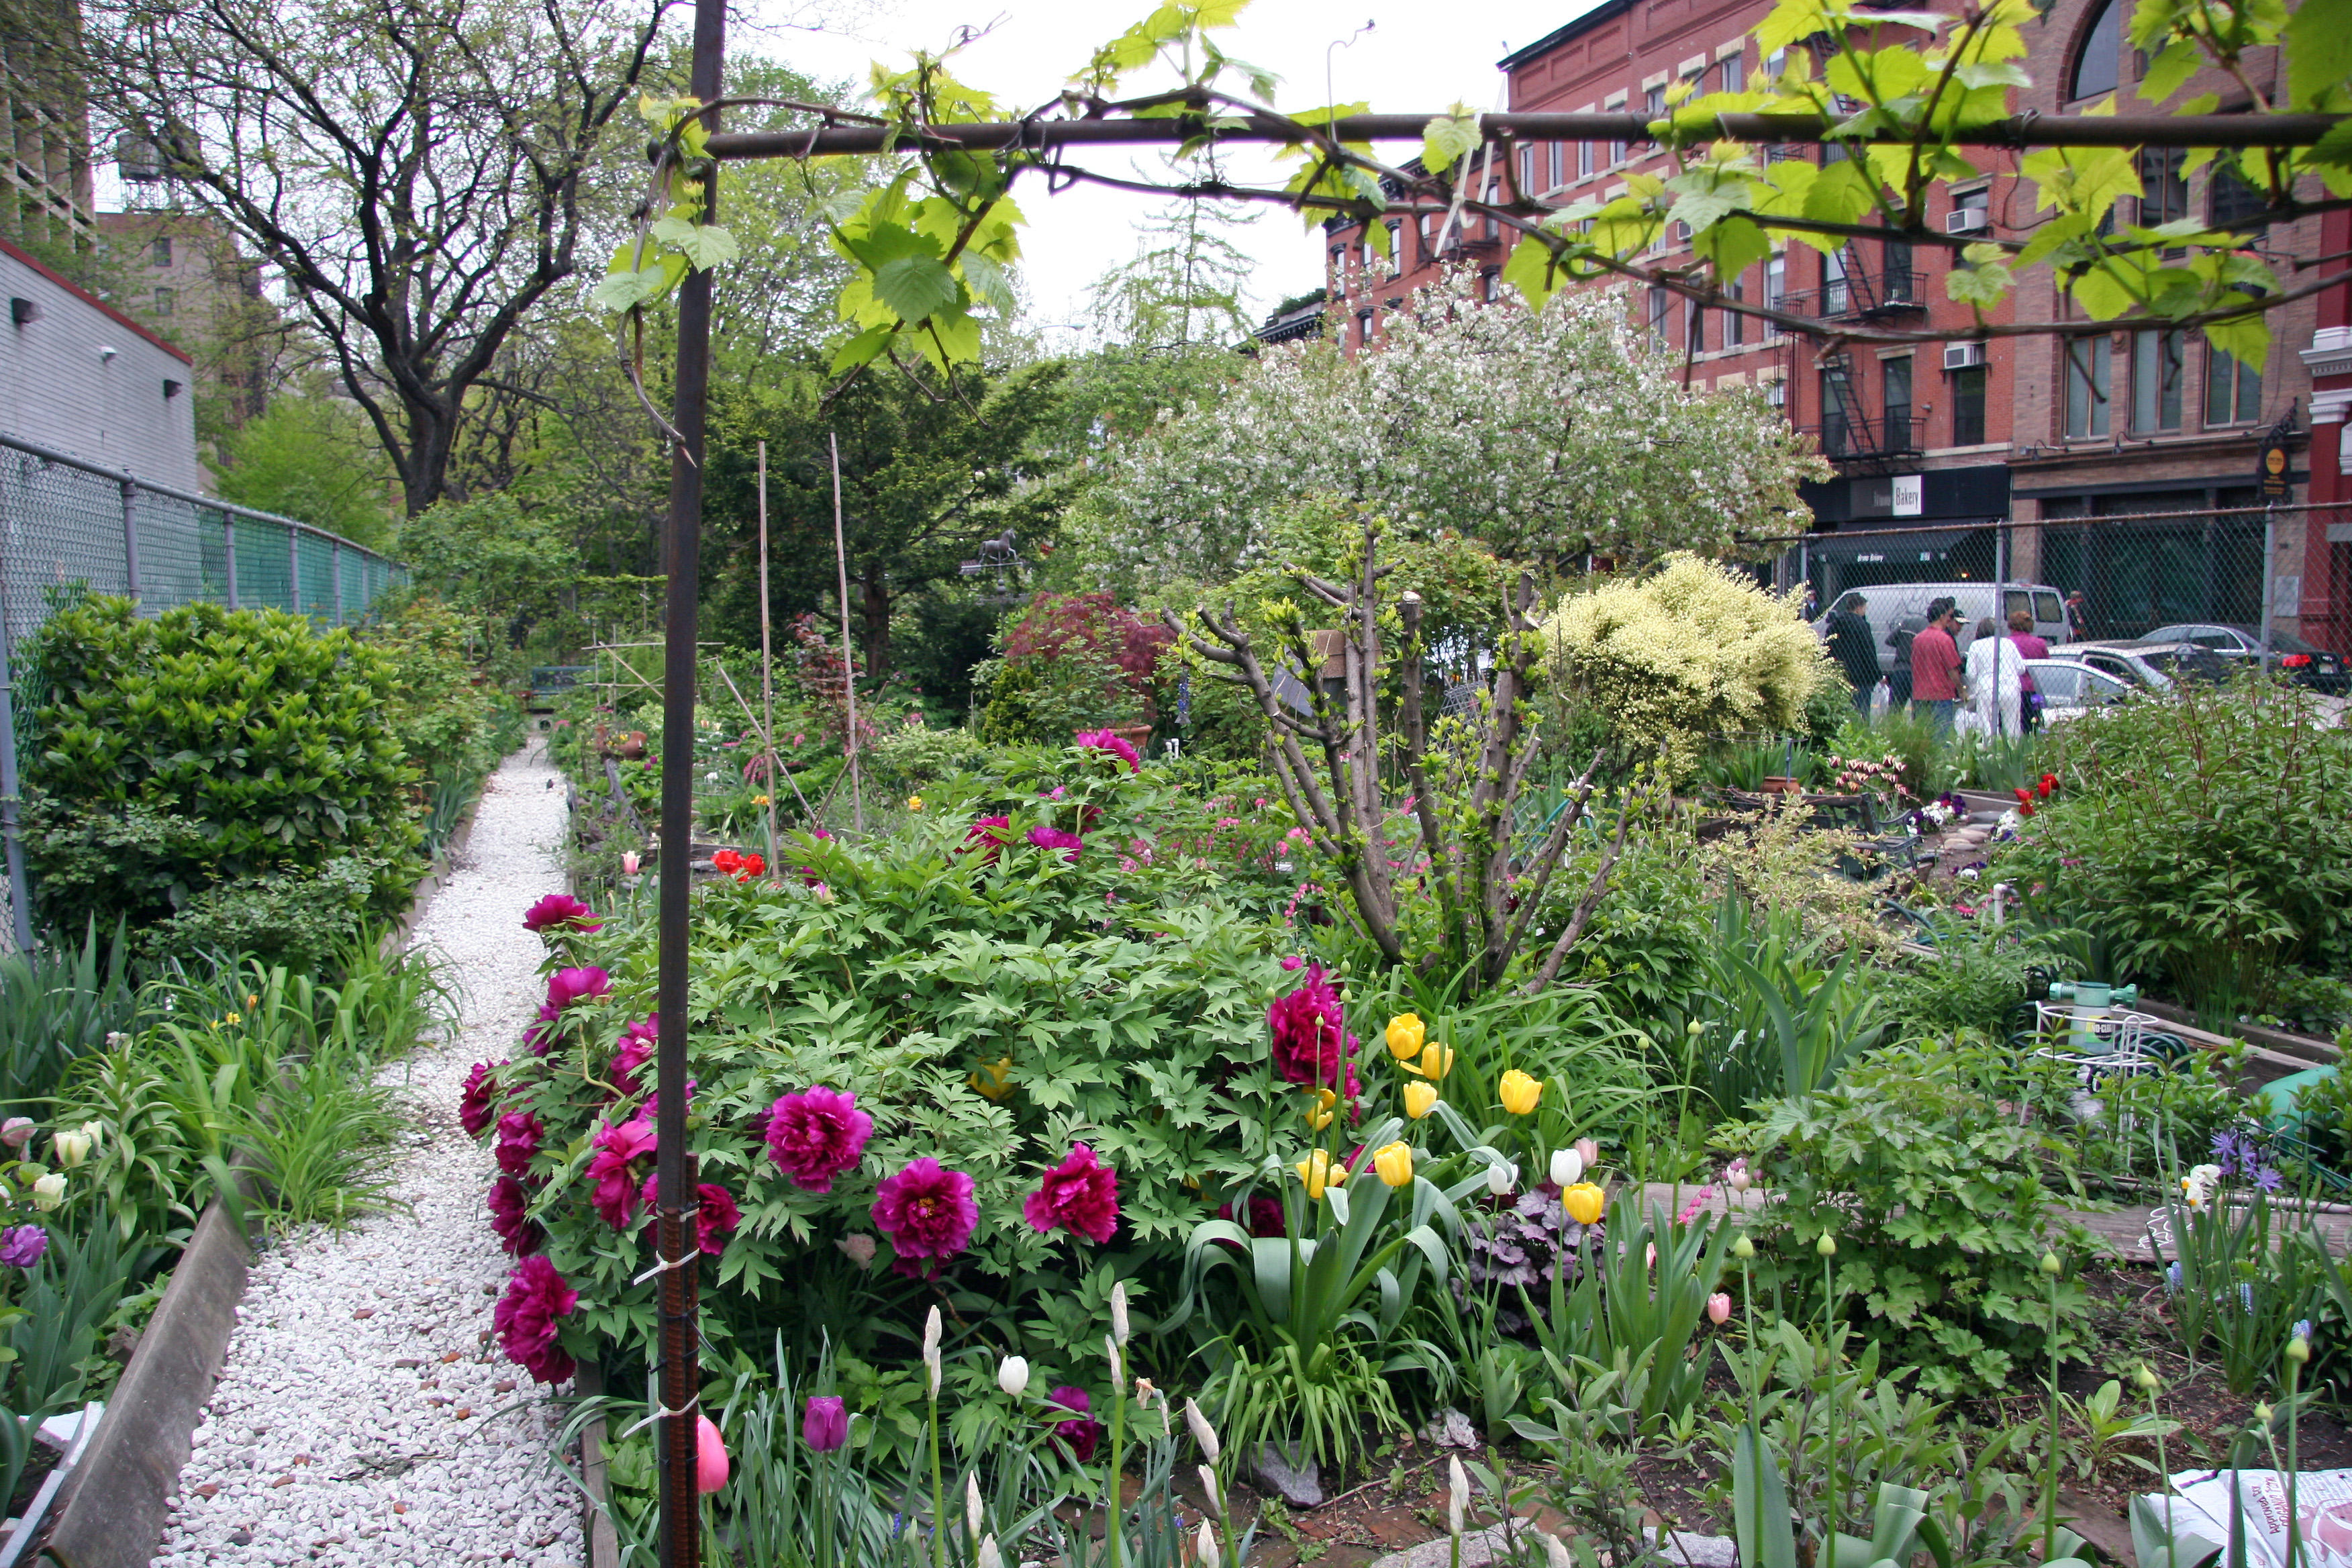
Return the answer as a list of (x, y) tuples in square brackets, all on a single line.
[(715, 1214), (478, 1104), (617, 1149), (536, 1038), (525, 1317), (1104, 740), (990, 835), (825, 1423), (1310, 1037), (1079, 1195), (1081, 1434), (518, 1136), (566, 986), (638, 1043), (816, 1135), (561, 912), (509, 1202), (21, 1246), (1058, 838), (926, 1213)]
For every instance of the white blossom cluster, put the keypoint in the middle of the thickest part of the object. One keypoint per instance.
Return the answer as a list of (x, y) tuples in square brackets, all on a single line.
[(1546, 434)]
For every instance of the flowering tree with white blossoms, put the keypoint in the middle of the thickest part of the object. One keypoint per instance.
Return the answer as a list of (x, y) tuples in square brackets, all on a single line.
[(1544, 434)]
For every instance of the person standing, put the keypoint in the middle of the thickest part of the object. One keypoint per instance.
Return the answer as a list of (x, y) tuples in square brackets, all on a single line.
[(1935, 666), (2078, 617), (2029, 646), (1908, 625), (1994, 671), (1850, 644)]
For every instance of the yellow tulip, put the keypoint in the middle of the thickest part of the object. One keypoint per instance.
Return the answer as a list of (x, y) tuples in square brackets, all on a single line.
[(1436, 1061), (1394, 1164), (1420, 1100), (1583, 1202), (1318, 1115), (1319, 1171), (994, 1080), (1520, 1092), (1406, 1033)]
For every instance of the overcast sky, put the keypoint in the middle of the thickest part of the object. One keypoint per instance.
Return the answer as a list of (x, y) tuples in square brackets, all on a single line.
[(1415, 57)]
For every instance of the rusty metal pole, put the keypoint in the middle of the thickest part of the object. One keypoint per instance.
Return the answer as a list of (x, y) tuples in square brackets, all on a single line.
[(679, 1375)]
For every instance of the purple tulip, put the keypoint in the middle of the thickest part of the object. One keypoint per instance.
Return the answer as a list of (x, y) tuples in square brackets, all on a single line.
[(825, 1423), (21, 1246)]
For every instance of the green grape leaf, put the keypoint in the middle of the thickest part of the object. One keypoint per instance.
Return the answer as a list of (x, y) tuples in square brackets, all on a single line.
[(704, 245), (863, 349), (1983, 281), (626, 290), (1529, 270), (1446, 140), (2246, 339), (2319, 51), (916, 287)]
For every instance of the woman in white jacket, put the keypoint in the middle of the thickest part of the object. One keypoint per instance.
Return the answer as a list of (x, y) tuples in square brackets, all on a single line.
[(1995, 675)]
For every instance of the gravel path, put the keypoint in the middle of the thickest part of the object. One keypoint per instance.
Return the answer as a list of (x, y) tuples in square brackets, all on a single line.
[(363, 1417)]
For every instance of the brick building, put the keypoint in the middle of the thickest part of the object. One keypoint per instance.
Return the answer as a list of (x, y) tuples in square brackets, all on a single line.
[(1945, 436), (2324, 593), (184, 277)]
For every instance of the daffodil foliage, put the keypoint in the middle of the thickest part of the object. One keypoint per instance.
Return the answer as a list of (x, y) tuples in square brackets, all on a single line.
[(1904, 97)]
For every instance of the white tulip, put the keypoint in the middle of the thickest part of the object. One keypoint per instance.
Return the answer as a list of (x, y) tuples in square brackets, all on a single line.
[(1204, 1547), (1202, 1433), (1567, 1167), (971, 1503), (1209, 1487), (1110, 1348), (1555, 1554), (931, 1349), (988, 1556), (1501, 1177), (1012, 1375), (1457, 1495), (49, 1192), (71, 1148), (1118, 1311)]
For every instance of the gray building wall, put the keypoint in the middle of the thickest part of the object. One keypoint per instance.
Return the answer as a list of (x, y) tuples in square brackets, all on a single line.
[(132, 407)]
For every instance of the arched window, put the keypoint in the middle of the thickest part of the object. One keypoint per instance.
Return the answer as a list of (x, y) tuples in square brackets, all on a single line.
[(2097, 67)]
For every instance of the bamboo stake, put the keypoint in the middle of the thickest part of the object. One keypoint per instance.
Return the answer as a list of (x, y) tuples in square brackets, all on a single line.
[(848, 662), (766, 662)]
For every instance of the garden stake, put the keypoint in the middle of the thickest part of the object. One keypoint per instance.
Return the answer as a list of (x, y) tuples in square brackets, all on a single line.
[(2051, 1269), (2298, 1351), (848, 660), (767, 663), (1827, 1248), (1745, 1250), (1112, 1525), (674, 1246), (938, 1492), (2146, 1379)]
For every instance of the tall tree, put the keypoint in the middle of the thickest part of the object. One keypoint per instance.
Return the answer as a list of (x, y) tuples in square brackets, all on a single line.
[(1187, 283), (415, 171), (926, 476)]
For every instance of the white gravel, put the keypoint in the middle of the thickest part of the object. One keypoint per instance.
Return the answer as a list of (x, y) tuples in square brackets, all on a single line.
[(364, 1416)]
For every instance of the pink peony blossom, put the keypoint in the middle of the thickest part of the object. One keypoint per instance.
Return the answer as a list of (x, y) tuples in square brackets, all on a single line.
[(1079, 1195), (618, 1148), (715, 1213), (1310, 1038), (518, 1136), (478, 1104), (989, 835), (585, 983), (509, 1202), (542, 1035), (525, 1317), (816, 1135), (1104, 740), (561, 912), (1083, 1433), (927, 1214), (1058, 838), (638, 1042)]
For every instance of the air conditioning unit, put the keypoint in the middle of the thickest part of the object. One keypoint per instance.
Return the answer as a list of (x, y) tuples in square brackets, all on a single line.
[(1965, 220), (1962, 356)]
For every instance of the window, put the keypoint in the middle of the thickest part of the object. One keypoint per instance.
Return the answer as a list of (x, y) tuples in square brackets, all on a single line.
[(2097, 67), (1340, 267), (2230, 203), (165, 300), (1735, 72), (1838, 433), (1735, 324), (1527, 154), (1555, 164), (1776, 393), (1583, 159), (1370, 257), (2164, 194), (2086, 387), (1363, 329), (1662, 304), (1487, 280), (1653, 103), (1968, 407), (2233, 390), (1425, 226), (161, 254), (1897, 374), (1694, 338), (1775, 64), (1396, 244), (1837, 292), (1776, 290), (1901, 287), (1977, 201), (2156, 382)]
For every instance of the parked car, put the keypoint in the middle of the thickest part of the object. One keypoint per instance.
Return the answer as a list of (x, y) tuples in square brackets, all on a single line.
[(2305, 664), (2151, 668), (2070, 688)]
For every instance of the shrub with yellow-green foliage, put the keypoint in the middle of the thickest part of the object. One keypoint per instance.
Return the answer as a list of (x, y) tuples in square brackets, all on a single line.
[(1688, 652)]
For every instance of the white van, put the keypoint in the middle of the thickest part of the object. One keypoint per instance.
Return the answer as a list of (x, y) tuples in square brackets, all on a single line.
[(1889, 602)]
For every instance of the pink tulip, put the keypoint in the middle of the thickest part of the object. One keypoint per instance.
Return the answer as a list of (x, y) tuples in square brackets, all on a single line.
[(1718, 1308), (1587, 1150), (709, 1456), (629, 862), (1652, 1260)]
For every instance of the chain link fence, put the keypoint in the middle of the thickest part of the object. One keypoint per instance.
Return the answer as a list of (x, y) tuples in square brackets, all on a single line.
[(67, 525)]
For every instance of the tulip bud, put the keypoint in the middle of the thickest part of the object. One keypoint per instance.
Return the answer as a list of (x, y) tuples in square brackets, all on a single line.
[(1204, 1547), (49, 1192), (1393, 1165), (1119, 1310), (1012, 1375), (1718, 1308), (1697, 1027), (2051, 1266), (972, 1518), (1650, 1259), (2263, 1413), (1742, 1248), (988, 1557), (17, 1131), (1587, 1150), (2146, 1379), (709, 1455), (1501, 1177), (71, 1148), (1567, 1167), (1457, 1495), (630, 861), (1555, 1552), (1202, 1433), (1420, 1100), (2299, 1350), (859, 1247), (1826, 1246), (1209, 1487), (1110, 1349), (931, 1349)]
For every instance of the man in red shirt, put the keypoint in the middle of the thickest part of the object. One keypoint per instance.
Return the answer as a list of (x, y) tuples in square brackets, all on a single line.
[(1935, 666)]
